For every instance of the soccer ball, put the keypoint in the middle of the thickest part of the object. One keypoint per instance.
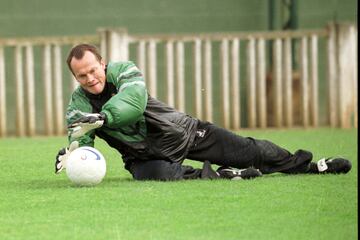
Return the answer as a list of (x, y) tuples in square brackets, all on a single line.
[(86, 166)]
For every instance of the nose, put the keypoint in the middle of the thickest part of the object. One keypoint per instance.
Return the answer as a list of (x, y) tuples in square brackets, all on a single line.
[(90, 77)]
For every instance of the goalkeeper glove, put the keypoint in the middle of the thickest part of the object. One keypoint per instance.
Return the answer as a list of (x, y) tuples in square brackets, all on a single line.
[(63, 155), (86, 123)]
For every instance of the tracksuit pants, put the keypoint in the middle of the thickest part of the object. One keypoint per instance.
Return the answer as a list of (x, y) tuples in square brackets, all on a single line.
[(224, 148)]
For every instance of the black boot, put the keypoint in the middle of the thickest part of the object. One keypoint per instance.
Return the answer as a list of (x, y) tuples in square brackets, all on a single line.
[(237, 174), (333, 165)]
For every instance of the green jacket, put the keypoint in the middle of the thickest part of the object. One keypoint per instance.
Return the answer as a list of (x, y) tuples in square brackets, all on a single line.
[(138, 126)]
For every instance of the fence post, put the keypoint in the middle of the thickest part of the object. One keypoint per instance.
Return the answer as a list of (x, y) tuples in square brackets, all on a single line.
[(304, 81), (152, 68), (30, 90), (261, 80), (197, 78), (277, 83), (74, 82), (3, 130), (208, 81), (347, 74), (103, 33), (314, 103), (114, 44), (47, 79), (251, 83), (180, 76), (332, 76), (123, 39), (354, 43), (141, 57), (19, 79), (225, 87), (169, 56), (288, 98), (235, 84), (58, 91)]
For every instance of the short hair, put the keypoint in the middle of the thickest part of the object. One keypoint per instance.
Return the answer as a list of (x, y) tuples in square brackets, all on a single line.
[(78, 52)]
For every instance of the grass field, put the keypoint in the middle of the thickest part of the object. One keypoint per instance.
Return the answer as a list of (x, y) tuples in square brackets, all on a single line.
[(37, 204)]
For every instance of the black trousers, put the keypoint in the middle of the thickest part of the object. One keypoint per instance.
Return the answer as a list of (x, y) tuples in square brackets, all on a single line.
[(224, 148)]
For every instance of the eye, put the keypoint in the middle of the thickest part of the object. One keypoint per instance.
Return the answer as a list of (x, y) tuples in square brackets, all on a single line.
[(81, 76), (93, 70)]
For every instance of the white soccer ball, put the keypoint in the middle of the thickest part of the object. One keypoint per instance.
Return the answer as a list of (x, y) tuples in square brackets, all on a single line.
[(86, 166)]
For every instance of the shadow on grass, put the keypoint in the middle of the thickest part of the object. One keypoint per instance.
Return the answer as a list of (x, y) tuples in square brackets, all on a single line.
[(111, 182), (65, 183)]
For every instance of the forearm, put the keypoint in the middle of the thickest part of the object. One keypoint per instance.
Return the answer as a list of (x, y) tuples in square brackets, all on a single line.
[(126, 107)]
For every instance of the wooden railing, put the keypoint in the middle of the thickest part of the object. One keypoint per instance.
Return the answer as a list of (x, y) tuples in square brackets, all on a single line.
[(24, 77), (271, 61)]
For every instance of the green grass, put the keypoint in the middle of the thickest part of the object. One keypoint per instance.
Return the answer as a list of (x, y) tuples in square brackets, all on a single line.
[(37, 204)]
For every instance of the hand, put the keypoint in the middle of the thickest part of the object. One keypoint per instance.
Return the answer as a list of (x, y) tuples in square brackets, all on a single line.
[(63, 155), (86, 123)]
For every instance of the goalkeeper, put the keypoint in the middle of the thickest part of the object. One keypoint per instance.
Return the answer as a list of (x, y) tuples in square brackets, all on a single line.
[(153, 138)]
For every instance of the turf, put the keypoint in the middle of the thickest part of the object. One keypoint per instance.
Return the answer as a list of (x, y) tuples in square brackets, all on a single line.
[(37, 204)]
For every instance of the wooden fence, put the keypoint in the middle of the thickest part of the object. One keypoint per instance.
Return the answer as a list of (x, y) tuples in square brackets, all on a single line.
[(271, 61)]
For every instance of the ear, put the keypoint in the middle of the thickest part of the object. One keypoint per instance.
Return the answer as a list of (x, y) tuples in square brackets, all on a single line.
[(102, 63)]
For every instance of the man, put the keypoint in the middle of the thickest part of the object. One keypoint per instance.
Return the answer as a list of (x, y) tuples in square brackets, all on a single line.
[(112, 103)]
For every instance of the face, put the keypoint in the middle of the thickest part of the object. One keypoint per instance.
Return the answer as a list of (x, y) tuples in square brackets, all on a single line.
[(89, 72)]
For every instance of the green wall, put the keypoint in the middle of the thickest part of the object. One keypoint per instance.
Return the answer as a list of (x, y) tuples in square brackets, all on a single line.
[(69, 17), (72, 17), (317, 13), (23, 18)]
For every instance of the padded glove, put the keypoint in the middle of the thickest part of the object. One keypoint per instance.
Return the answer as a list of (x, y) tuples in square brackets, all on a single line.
[(86, 123), (63, 155)]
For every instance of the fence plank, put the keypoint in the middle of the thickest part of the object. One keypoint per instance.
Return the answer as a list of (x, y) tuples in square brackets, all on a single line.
[(58, 91), (180, 79), (114, 48), (74, 82), (277, 83), (118, 45), (141, 57), (219, 36), (169, 52), (304, 81), (288, 98), (354, 33), (40, 41), (346, 75), (208, 81), (332, 77), (225, 82), (19, 80), (235, 84), (261, 80), (30, 86), (314, 103), (47, 79), (103, 34), (124, 44), (152, 72), (3, 115), (197, 78), (251, 83)]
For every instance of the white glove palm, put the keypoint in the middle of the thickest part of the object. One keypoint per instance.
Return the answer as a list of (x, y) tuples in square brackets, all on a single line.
[(63, 155)]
